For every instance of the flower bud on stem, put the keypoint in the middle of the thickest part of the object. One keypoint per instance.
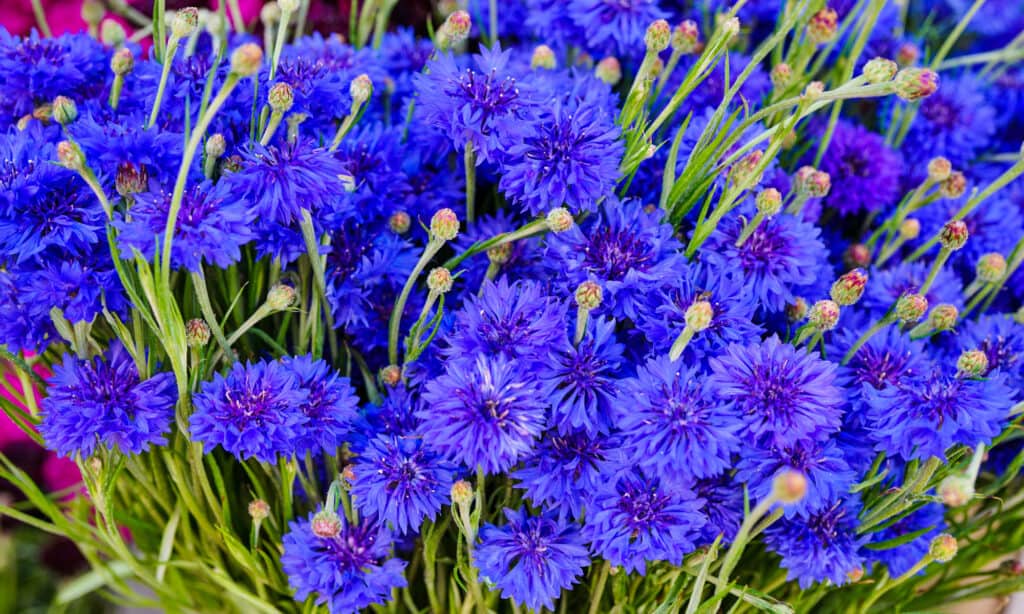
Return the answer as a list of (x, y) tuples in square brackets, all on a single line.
[(698, 318), (588, 298), (360, 90)]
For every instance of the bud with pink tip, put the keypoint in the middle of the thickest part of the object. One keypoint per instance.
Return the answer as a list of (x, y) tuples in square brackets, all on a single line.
[(954, 186), (360, 89), (658, 36), (769, 202), (797, 310), (391, 375), (857, 255), (326, 524), (823, 315), (185, 22), (910, 308), (880, 70), (462, 492), (246, 60), (439, 281), (915, 83), (122, 62), (822, 26), (953, 235), (789, 487), (746, 173), (559, 220), (943, 548), (70, 156), (65, 110), (943, 317), (781, 75), (848, 289), (686, 37), (444, 225), (281, 297), (991, 267), (908, 54), (956, 490), (454, 30), (259, 510), (589, 295), (698, 315), (939, 169), (609, 70), (399, 222), (197, 333), (281, 98), (972, 363), (543, 57)]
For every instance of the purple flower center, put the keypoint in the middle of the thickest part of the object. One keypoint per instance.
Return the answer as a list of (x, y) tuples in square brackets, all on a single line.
[(643, 507), (880, 369), (614, 252), (825, 525), (352, 550), (489, 96), (940, 112)]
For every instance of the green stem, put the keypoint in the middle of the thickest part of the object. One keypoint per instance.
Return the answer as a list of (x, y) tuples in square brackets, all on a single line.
[(394, 325), (679, 345), (954, 36), (40, 14), (749, 229), (115, 91), (282, 31), (268, 133), (206, 308), (469, 159), (940, 261), (237, 22), (598, 589), (868, 334), (582, 315), (494, 21), (172, 47)]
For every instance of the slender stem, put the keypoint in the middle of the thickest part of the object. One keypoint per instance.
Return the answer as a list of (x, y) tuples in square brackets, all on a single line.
[(300, 22), (679, 345), (172, 47), (940, 261), (282, 32), (263, 311), (954, 36), (749, 229), (268, 133), (493, 21), (346, 125), (206, 307), (582, 315), (470, 163), (237, 22), (732, 555), (40, 14), (394, 325), (598, 589), (868, 334), (115, 91)]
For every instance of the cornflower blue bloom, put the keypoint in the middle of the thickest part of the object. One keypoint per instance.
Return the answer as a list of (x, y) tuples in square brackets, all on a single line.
[(21, 326), (281, 181), (889, 284), (887, 359), (829, 476), (865, 172), (402, 481), (614, 27), (486, 107), (956, 122), (582, 379), (523, 257), (110, 141), (820, 546), (723, 505), (673, 424), (35, 69), (394, 416), (924, 416), (483, 413), (346, 573), (79, 287), (1002, 340), (253, 412), (664, 317), (372, 155), (993, 227), (636, 519), (929, 518), (402, 55), (781, 255), (531, 558), (211, 227), (566, 469), (103, 401), (629, 251), (330, 408), (569, 157), (550, 20), (783, 394), (514, 320)]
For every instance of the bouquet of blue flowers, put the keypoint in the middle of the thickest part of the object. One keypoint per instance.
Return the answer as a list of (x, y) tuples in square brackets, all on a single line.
[(575, 306)]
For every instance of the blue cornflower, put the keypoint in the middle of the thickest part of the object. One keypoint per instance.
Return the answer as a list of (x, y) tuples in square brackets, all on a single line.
[(485, 412), (402, 55), (781, 255), (928, 518), (531, 558), (887, 359), (372, 155), (1002, 340), (956, 122), (673, 424), (330, 407), (523, 257), (821, 546), (865, 172), (889, 284), (486, 106), (515, 320), (566, 469), (394, 415), (348, 572), (81, 288), (664, 316), (280, 182), (110, 141), (784, 395), (252, 413), (402, 481), (829, 476), (21, 326), (636, 519), (362, 267), (629, 251), (211, 227), (34, 70), (615, 27), (103, 401), (581, 379), (924, 416), (723, 505), (549, 20), (570, 157)]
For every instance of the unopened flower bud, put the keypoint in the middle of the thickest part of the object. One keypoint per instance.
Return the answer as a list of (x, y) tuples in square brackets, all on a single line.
[(910, 308), (943, 317), (857, 255), (848, 289), (462, 492), (812, 183), (991, 267), (185, 22), (70, 156), (92, 12), (122, 62), (745, 173), (197, 333), (781, 75), (813, 91), (259, 510), (609, 70), (348, 476), (326, 524), (698, 315), (281, 297), (943, 548), (656, 67), (112, 33), (439, 281), (391, 375), (288, 6), (559, 220), (589, 295), (215, 146), (953, 235), (769, 202), (910, 228), (972, 363), (915, 83), (399, 222), (880, 70), (131, 179), (685, 37), (360, 89), (730, 26), (658, 36), (822, 26), (500, 254), (64, 110), (908, 54), (454, 30), (270, 14), (43, 112), (281, 98), (797, 310), (444, 225), (939, 169), (246, 60), (543, 57), (232, 164), (954, 186), (823, 315), (855, 575), (789, 487)]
